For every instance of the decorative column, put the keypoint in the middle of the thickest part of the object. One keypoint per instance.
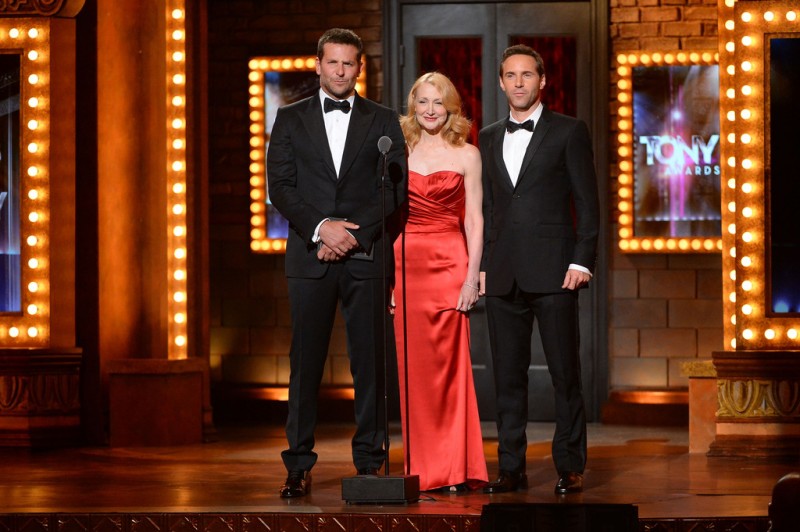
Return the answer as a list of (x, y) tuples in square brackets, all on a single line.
[(759, 372), (759, 404), (154, 378), (39, 360)]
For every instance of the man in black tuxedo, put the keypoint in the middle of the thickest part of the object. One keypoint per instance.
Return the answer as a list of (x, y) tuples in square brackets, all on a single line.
[(538, 170), (324, 169)]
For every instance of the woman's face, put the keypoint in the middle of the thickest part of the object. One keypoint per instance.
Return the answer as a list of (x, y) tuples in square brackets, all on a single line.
[(429, 108)]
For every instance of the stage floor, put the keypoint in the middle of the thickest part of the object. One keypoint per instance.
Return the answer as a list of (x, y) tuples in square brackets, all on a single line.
[(241, 473)]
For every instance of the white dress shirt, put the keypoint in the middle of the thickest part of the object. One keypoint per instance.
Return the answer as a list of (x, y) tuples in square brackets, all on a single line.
[(515, 144), (336, 124)]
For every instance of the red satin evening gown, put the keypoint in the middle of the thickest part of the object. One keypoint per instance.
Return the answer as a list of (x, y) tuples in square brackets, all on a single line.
[(441, 429)]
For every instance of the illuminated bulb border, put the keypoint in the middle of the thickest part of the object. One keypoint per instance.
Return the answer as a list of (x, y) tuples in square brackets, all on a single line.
[(177, 305), (727, 139), (628, 242), (259, 242), (754, 328), (30, 38)]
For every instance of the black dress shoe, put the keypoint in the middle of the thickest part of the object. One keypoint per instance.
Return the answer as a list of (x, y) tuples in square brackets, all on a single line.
[(569, 482), (367, 472), (507, 481), (297, 484)]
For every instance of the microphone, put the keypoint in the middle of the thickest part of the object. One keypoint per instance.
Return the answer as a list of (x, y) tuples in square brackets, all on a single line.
[(384, 143)]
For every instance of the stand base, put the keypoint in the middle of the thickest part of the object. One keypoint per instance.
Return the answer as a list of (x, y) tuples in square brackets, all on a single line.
[(380, 490)]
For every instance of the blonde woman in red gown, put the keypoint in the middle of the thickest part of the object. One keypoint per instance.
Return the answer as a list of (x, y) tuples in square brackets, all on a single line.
[(437, 266)]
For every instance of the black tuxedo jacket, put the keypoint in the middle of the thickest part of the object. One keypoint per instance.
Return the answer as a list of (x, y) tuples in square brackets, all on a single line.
[(533, 231), (304, 187)]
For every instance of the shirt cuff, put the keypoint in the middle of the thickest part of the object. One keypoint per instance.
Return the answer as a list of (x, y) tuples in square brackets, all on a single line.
[(580, 269), (315, 237)]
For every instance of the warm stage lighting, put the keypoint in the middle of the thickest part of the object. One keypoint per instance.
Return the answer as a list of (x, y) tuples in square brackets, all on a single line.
[(745, 142), (177, 252), (628, 241), (29, 40)]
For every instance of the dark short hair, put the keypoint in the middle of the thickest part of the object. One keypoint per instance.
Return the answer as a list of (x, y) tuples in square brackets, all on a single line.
[(340, 36), (522, 49)]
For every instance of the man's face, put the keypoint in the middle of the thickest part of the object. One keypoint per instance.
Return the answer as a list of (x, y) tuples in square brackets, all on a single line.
[(521, 82), (338, 70)]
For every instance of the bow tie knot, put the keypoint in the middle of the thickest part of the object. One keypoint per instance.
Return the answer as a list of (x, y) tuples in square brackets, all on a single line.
[(516, 126), (332, 105)]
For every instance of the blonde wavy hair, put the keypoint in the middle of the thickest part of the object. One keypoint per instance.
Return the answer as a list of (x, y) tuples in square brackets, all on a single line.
[(456, 128)]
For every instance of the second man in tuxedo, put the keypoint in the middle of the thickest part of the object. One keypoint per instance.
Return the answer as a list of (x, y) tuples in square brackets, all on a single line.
[(324, 171), (538, 169)]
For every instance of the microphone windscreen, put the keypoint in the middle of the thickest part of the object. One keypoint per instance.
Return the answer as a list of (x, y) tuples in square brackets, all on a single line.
[(384, 143)]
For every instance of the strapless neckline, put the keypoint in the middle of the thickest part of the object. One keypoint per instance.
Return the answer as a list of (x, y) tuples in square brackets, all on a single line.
[(436, 172)]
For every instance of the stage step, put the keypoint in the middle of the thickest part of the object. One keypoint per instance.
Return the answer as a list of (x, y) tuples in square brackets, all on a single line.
[(376, 518)]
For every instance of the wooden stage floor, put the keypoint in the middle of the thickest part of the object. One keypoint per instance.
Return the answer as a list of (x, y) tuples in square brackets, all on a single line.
[(232, 485)]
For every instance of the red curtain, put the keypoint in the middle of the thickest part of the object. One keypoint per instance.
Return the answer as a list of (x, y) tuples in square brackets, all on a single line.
[(559, 55), (458, 58)]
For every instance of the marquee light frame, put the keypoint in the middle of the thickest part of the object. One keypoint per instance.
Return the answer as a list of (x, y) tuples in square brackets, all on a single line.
[(30, 39), (628, 241), (177, 230), (749, 26)]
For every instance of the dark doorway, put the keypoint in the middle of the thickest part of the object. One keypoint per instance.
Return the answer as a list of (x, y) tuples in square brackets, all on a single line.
[(464, 41)]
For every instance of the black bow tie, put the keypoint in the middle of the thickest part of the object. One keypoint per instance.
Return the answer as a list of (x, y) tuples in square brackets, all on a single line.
[(332, 105), (514, 126)]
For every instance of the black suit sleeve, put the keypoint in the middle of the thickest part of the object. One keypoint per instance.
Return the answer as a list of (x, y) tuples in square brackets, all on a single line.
[(484, 143), (581, 171)]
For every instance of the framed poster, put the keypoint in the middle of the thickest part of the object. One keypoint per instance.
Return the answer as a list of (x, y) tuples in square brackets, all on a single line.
[(669, 152)]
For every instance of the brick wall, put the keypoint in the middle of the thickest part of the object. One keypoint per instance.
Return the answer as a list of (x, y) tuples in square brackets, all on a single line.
[(664, 309), (250, 324), (663, 24)]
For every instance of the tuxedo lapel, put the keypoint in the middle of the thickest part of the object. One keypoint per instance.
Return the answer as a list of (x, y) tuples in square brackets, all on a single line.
[(360, 121), (499, 136), (539, 131), (315, 126)]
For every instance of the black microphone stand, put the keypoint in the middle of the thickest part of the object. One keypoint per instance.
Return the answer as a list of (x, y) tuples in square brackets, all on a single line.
[(384, 149), (386, 489)]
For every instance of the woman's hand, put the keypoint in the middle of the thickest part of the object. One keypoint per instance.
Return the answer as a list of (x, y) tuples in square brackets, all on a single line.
[(468, 296)]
